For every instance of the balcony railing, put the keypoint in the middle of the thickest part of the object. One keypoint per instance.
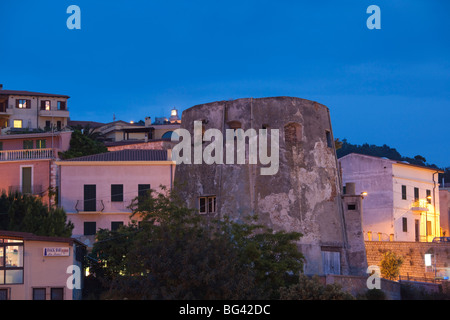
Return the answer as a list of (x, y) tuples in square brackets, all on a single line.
[(26, 154), (420, 205), (30, 189), (89, 206)]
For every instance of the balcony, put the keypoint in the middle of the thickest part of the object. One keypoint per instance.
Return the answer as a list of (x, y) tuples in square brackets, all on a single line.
[(89, 206), (63, 113), (35, 190), (420, 205), (26, 154), (6, 111)]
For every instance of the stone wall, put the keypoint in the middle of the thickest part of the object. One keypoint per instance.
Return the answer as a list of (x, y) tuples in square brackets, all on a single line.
[(414, 258), (304, 193)]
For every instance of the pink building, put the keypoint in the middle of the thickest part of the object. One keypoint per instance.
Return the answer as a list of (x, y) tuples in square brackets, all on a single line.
[(27, 161), (97, 190), (40, 268)]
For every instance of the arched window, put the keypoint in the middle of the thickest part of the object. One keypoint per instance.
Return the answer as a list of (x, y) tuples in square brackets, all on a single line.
[(167, 135), (292, 133)]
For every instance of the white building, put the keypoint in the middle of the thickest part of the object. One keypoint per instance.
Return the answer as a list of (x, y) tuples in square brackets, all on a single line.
[(402, 202)]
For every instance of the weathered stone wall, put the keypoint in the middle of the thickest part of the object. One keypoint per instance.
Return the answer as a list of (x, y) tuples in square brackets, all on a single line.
[(414, 257), (303, 196)]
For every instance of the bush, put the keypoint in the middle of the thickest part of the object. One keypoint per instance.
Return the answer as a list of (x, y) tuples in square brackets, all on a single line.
[(310, 288), (390, 265), (375, 294)]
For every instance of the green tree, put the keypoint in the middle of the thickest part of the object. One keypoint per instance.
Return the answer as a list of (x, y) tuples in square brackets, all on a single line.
[(84, 142), (27, 213), (174, 253), (390, 265)]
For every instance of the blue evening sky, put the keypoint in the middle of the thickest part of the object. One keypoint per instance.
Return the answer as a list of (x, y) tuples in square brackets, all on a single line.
[(141, 58)]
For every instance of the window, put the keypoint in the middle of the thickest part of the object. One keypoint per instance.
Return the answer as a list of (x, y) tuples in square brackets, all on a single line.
[(39, 293), (403, 192), (17, 124), (58, 125), (429, 196), (3, 294), (351, 206), (11, 261), (28, 144), (416, 194), (41, 144), (45, 105), (90, 228), (23, 104), (90, 197), (329, 140), (429, 229), (27, 180), (207, 204), (405, 224), (143, 191), (1, 145), (115, 225), (117, 193), (57, 293), (61, 105)]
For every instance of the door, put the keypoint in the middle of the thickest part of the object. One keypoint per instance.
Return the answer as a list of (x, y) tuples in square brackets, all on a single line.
[(331, 262), (26, 180), (416, 230), (90, 197)]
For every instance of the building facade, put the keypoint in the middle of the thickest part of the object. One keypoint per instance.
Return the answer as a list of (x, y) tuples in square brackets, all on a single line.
[(304, 195), (97, 191), (403, 199), (27, 162), (25, 110), (122, 131), (444, 207), (36, 267)]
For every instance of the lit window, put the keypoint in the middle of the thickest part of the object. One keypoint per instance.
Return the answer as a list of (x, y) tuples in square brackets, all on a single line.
[(45, 105), (17, 124), (23, 104), (11, 261)]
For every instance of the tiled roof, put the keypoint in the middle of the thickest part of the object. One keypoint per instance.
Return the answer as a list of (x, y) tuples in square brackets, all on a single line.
[(126, 155), (30, 93)]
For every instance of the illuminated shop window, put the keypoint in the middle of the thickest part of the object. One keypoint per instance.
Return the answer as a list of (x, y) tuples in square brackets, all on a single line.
[(11, 261)]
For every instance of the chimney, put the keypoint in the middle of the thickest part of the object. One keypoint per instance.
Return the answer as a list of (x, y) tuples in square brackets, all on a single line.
[(148, 121), (350, 188)]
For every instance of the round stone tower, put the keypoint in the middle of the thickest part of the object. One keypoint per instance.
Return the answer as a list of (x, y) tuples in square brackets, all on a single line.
[(302, 191)]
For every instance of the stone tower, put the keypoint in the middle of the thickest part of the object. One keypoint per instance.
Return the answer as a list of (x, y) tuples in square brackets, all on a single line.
[(303, 196)]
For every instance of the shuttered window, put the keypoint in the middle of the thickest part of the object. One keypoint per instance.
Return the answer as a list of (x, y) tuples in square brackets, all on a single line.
[(405, 224), (90, 228), (116, 192), (90, 197), (28, 144)]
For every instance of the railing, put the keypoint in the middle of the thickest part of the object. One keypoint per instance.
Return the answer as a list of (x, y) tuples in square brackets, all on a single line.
[(36, 189), (420, 205), (89, 206), (26, 154)]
